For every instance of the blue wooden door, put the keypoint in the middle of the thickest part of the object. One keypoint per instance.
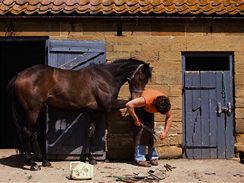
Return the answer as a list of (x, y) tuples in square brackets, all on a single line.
[(65, 134), (208, 116)]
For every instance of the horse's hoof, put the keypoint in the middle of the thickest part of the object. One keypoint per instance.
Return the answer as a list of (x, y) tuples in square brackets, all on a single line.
[(241, 155), (46, 163), (35, 168), (92, 161), (29, 162)]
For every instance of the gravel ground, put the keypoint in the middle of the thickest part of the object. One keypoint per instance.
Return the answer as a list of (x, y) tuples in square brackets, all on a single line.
[(12, 170)]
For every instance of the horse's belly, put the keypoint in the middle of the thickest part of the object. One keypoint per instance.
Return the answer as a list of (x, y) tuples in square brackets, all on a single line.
[(72, 104)]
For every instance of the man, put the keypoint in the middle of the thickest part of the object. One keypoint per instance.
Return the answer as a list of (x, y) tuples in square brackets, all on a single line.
[(142, 110)]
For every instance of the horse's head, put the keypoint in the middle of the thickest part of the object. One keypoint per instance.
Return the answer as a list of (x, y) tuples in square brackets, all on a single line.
[(136, 72), (139, 78)]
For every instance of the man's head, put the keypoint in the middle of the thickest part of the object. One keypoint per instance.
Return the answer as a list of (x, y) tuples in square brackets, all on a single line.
[(162, 104)]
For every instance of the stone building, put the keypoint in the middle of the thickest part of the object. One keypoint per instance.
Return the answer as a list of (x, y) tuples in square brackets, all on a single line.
[(195, 47)]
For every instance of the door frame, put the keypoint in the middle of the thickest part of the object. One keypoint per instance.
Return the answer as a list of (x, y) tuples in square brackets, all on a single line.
[(230, 56)]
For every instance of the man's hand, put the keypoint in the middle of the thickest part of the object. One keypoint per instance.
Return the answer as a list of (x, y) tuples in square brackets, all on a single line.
[(137, 123), (163, 135)]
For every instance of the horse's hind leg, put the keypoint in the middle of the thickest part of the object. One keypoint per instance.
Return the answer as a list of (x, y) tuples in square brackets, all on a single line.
[(27, 135), (40, 153), (35, 146), (27, 148)]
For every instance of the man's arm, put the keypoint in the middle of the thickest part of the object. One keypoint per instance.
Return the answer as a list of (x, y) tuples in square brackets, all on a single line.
[(131, 105), (168, 122)]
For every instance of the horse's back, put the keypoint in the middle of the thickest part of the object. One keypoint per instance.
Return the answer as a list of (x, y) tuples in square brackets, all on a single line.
[(34, 75)]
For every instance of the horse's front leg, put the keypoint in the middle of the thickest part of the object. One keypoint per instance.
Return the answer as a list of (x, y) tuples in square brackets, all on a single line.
[(91, 134), (86, 150), (119, 104)]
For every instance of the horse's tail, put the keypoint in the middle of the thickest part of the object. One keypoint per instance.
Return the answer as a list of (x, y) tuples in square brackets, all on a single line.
[(15, 110)]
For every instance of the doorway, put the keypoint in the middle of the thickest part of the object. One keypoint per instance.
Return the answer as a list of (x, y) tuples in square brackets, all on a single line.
[(16, 54), (208, 130)]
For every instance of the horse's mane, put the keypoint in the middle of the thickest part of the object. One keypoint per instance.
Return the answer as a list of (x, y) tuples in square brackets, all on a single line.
[(118, 63), (131, 61)]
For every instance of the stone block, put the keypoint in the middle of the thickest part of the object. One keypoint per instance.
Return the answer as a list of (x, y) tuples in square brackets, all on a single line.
[(127, 47), (239, 148), (170, 140), (169, 152), (146, 56), (240, 139), (175, 90), (239, 113), (239, 78), (168, 78), (239, 126), (167, 65), (176, 128), (169, 56), (111, 55), (176, 102), (239, 102)]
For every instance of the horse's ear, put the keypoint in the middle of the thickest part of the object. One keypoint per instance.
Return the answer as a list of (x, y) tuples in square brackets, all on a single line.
[(146, 65)]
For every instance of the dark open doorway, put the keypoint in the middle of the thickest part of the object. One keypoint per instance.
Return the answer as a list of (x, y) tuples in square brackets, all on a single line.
[(16, 54)]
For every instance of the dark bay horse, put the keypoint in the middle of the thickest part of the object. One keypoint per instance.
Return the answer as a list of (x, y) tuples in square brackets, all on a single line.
[(93, 88)]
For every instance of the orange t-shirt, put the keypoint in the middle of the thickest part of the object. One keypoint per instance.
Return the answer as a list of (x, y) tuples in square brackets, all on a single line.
[(150, 95)]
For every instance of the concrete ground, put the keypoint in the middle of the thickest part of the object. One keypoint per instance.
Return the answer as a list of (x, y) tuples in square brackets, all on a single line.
[(12, 170)]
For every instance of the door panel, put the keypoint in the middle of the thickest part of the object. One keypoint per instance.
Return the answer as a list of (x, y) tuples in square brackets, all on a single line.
[(65, 136), (212, 115), (221, 118), (230, 117), (207, 134)]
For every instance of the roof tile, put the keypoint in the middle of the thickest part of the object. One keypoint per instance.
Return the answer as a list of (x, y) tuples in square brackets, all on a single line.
[(208, 7)]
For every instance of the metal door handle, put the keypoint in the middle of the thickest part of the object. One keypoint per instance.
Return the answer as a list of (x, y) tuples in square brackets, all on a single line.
[(219, 109), (225, 109), (229, 109)]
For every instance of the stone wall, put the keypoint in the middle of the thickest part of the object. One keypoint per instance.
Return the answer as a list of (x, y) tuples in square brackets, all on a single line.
[(161, 44)]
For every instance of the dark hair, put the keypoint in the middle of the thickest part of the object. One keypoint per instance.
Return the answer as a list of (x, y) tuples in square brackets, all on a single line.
[(162, 104)]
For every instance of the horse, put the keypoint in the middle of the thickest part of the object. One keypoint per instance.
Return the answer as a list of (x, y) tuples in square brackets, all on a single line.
[(94, 88)]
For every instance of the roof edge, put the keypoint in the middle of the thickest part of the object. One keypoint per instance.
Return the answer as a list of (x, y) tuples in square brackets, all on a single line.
[(154, 18)]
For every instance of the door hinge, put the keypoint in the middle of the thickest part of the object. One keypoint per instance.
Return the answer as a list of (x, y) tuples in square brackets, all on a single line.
[(198, 88), (200, 147)]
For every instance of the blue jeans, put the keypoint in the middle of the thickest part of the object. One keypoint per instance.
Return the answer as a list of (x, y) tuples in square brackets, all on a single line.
[(140, 153)]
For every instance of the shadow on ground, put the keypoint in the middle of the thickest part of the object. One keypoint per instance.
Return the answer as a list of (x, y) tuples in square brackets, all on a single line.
[(15, 161)]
